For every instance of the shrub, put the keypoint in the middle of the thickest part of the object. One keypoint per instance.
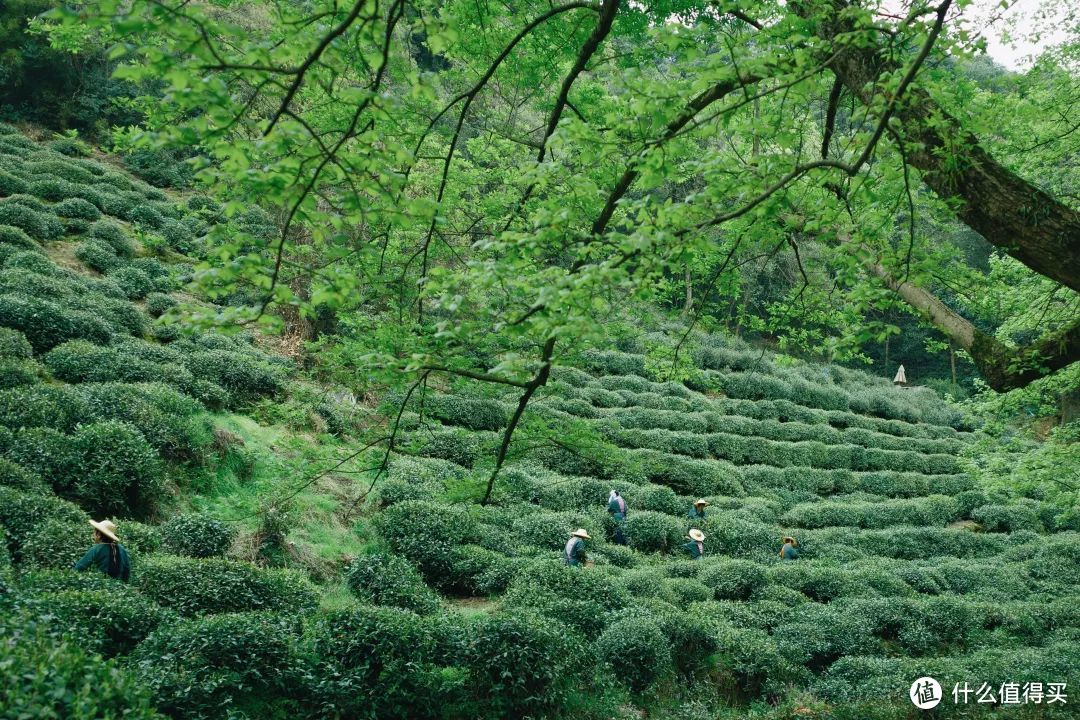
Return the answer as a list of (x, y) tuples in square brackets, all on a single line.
[(380, 662), (546, 665), (157, 304), (614, 363), (1007, 518), (146, 215), (114, 236), (732, 579), (38, 225), (79, 361), (98, 255), (56, 544), (480, 571), (208, 666), (14, 373), (14, 239), (19, 478), (473, 413), (48, 454), (581, 600), (159, 167), (636, 650), (111, 621), (245, 377), (197, 535), (135, 283), (163, 415), (457, 446), (118, 471), (687, 476), (41, 406), (47, 324), (10, 184), (427, 533), (58, 679), (76, 208), (196, 586), (685, 591), (22, 513), (653, 532), (138, 538), (51, 188), (383, 579)]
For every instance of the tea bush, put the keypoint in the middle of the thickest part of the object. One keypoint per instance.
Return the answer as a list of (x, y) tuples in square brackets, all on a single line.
[(481, 571), (15, 239), (39, 225), (197, 535), (387, 663), (19, 478), (200, 586), (114, 236), (547, 664), (51, 406), (56, 544), (58, 678), (427, 533), (688, 476), (472, 413), (46, 324), (207, 666), (653, 532), (457, 446), (1007, 518), (636, 650), (109, 621), (118, 472), (134, 283), (732, 579), (383, 579), (581, 600), (614, 363), (76, 208), (21, 514)]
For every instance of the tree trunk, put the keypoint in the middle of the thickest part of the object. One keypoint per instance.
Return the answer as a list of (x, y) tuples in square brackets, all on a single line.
[(1002, 367), (1011, 213), (952, 361), (689, 279)]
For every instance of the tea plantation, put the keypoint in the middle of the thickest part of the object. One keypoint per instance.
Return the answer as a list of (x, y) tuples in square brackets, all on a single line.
[(907, 566)]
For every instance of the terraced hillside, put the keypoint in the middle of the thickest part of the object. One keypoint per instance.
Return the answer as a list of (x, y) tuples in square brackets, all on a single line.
[(452, 608), (907, 568)]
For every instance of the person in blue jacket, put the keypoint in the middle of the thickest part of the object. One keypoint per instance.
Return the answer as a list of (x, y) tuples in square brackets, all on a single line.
[(789, 551), (574, 554), (107, 554), (696, 546), (697, 512), (616, 507)]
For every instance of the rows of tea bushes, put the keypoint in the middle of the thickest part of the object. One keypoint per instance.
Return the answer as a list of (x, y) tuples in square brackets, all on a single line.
[(906, 563)]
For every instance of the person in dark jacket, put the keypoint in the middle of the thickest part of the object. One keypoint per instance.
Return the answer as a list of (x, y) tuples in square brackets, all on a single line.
[(696, 546), (789, 551), (574, 554), (697, 512), (616, 507), (107, 554)]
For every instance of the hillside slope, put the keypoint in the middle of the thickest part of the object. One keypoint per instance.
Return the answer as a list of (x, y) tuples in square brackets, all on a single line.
[(454, 609)]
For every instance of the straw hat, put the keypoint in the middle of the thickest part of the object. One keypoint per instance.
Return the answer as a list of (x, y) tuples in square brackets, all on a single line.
[(580, 532), (701, 502), (696, 534), (106, 528), (789, 539)]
